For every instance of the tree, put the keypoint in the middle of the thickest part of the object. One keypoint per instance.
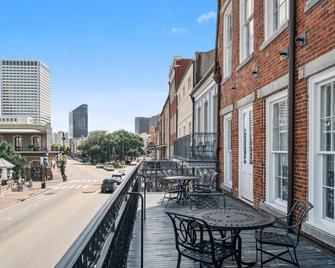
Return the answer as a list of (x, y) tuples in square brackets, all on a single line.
[(103, 147), (7, 152)]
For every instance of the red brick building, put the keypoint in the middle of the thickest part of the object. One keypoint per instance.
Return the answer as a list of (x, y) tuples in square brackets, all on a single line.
[(254, 56), (176, 72)]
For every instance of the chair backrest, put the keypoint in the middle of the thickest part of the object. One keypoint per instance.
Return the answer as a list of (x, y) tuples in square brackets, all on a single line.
[(192, 234)]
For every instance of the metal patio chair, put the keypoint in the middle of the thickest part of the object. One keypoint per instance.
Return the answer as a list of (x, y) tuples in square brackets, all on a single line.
[(286, 236), (171, 190), (194, 240)]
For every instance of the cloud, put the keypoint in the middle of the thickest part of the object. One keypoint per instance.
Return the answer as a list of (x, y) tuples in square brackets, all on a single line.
[(178, 31), (204, 17)]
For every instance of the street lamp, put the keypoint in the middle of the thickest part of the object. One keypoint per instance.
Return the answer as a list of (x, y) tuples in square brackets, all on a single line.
[(45, 163)]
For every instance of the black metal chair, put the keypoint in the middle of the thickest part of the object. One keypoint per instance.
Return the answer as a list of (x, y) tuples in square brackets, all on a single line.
[(171, 190), (287, 236), (194, 240)]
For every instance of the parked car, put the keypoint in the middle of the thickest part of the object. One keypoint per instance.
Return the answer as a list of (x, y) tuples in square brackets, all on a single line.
[(99, 165), (109, 168), (122, 172), (117, 178), (108, 186)]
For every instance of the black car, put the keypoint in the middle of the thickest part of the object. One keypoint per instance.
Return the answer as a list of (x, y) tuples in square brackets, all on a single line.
[(108, 186)]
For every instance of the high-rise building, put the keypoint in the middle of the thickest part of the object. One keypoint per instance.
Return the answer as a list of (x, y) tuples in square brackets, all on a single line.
[(25, 90), (144, 124), (78, 122)]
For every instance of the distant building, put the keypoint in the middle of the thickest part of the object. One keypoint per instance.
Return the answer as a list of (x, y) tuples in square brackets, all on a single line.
[(32, 142), (146, 139), (16, 120), (25, 82), (144, 124), (78, 122), (57, 137)]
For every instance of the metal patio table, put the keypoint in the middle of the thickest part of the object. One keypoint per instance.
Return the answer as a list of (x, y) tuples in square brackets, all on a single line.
[(183, 181), (235, 220)]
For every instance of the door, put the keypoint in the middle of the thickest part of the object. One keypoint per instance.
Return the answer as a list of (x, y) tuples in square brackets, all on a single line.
[(245, 155)]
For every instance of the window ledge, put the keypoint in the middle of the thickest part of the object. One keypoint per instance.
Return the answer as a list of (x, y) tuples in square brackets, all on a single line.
[(245, 62), (227, 187), (273, 208), (274, 35), (310, 4)]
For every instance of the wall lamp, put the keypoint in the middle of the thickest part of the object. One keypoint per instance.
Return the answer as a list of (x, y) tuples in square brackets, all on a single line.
[(302, 39), (255, 72), (284, 54)]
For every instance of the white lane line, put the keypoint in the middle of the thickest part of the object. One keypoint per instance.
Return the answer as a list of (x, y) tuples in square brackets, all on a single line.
[(89, 180), (78, 186), (64, 187), (85, 186), (72, 186), (95, 180), (56, 187)]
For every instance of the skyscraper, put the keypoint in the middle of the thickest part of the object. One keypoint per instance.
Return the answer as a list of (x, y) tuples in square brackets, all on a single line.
[(142, 125), (78, 122), (25, 90)]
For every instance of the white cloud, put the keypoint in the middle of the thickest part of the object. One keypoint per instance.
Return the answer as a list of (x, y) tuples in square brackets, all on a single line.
[(204, 17), (178, 31)]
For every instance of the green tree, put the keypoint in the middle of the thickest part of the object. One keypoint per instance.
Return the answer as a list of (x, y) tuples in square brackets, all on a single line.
[(7, 152)]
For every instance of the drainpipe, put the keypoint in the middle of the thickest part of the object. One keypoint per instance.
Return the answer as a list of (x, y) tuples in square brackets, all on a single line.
[(217, 79), (193, 128), (291, 106)]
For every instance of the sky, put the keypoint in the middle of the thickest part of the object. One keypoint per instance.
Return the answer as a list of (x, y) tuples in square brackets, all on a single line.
[(112, 55)]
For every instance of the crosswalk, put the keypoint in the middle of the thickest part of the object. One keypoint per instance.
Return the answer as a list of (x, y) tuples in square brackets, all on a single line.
[(75, 184)]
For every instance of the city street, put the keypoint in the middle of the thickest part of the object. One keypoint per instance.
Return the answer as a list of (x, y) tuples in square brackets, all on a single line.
[(38, 231)]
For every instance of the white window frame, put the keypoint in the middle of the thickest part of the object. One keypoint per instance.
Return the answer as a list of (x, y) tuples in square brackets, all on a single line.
[(228, 167), (227, 46), (269, 18), (315, 179), (270, 196), (244, 53)]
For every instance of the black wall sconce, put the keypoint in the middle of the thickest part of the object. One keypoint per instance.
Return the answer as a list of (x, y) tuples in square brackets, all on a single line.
[(302, 39), (233, 88), (284, 54), (255, 72)]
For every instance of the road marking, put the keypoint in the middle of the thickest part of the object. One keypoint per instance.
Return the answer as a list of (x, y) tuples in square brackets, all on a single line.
[(64, 187), (85, 186), (95, 180), (88, 180), (71, 186), (78, 186), (56, 187)]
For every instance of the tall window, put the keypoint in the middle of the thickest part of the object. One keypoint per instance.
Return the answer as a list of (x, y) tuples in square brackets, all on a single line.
[(18, 143), (327, 146), (247, 29), (199, 119), (227, 151), (276, 15), (227, 41), (215, 113), (277, 181), (36, 143), (206, 117)]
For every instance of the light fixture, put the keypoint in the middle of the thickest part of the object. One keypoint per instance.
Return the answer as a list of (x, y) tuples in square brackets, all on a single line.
[(284, 54), (302, 39)]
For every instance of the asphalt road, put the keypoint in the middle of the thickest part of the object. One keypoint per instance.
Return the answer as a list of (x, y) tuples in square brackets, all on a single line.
[(37, 232)]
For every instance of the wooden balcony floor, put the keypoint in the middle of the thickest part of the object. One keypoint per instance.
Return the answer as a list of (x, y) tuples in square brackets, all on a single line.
[(159, 243)]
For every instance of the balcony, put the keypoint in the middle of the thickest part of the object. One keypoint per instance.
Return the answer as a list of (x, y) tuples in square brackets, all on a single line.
[(197, 146), (29, 149), (114, 236)]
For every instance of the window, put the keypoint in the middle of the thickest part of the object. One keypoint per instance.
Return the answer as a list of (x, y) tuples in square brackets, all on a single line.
[(246, 29), (199, 119), (18, 143), (277, 142), (276, 15), (227, 151), (36, 143), (322, 149), (206, 117), (227, 41)]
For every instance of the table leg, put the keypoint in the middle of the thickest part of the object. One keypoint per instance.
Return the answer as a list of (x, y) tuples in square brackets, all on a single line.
[(244, 263)]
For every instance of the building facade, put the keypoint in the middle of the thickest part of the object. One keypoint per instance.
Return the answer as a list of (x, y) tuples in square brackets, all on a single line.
[(25, 90), (31, 141), (184, 106), (256, 86), (78, 122), (142, 125), (163, 132)]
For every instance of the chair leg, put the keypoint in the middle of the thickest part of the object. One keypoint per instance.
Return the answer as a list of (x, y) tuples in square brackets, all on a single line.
[(261, 250), (179, 260), (295, 256)]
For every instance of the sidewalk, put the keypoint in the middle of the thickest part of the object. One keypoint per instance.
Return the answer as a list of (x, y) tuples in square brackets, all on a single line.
[(13, 197)]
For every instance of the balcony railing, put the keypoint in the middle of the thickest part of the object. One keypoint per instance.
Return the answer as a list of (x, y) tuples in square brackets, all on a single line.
[(197, 146), (27, 148), (105, 241)]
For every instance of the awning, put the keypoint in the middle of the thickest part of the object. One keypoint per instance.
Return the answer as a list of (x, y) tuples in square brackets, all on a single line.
[(5, 164)]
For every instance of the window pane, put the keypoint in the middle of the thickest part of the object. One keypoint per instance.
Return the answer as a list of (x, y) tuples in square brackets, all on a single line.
[(325, 134), (280, 126), (244, 139), (328, 170), (250, 136), (329, 203)]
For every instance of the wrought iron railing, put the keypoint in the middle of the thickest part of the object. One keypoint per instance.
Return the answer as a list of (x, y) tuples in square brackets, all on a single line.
[(197, 146), (105, 240)]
